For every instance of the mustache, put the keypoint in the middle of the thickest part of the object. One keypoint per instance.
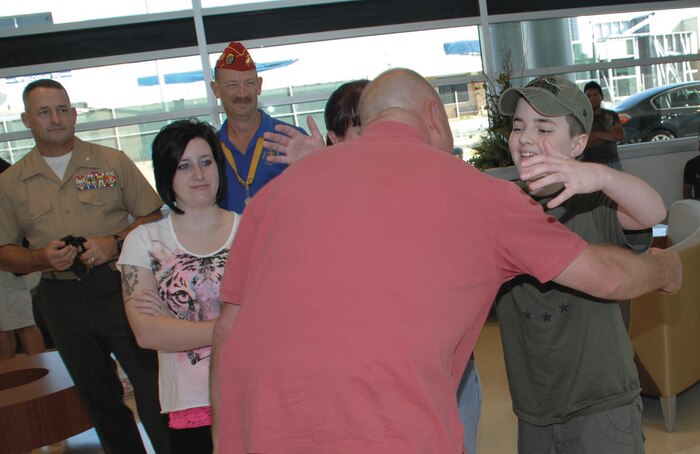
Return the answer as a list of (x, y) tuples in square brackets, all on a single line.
[(242, 99)]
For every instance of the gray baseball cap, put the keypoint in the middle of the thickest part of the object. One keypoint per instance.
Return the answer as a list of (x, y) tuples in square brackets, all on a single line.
[(551, 96)]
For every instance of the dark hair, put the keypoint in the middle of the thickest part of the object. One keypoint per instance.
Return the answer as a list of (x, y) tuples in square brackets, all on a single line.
[(593, 85), (41, 83), (168, 147), (342, 108)]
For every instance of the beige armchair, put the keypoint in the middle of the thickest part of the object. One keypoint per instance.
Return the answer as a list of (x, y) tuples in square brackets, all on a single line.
[(665, 329), (684, 224)]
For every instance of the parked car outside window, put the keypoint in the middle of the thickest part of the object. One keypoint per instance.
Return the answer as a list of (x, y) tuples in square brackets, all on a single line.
[(661, 113)]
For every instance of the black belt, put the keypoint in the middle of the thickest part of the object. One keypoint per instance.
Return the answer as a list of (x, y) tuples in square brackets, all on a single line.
[(69, 275)]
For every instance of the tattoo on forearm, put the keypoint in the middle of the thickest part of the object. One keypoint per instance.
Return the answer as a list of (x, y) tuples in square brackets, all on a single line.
[(130, 279)]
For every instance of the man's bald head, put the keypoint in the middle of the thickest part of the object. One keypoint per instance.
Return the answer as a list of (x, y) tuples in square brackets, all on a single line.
[(405, 96)]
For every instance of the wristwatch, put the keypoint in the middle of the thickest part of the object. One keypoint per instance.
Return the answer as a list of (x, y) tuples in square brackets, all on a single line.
[(120, 243)]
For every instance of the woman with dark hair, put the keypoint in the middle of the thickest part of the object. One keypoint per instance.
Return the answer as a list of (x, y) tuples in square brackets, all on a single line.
[(342, 112), (171, 270)]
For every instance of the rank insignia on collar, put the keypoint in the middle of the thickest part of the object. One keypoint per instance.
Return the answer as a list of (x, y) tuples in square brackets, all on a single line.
[(96, 180)]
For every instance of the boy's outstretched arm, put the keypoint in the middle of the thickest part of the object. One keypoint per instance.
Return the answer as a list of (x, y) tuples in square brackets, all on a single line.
[(639, 205)]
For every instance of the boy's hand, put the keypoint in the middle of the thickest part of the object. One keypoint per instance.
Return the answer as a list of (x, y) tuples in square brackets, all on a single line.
[(552, 167)]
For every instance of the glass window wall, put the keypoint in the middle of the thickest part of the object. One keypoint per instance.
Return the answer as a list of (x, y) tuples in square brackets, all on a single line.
[(123, 105), (651, 95), (47, 12)]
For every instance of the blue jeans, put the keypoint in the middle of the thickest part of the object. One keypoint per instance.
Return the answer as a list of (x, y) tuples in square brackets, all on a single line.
[(469, 403)]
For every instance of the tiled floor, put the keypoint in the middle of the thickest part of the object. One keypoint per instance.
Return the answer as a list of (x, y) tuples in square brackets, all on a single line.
[(497, 430)]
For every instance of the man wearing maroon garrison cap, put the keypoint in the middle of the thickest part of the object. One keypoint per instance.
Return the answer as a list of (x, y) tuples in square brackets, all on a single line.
[(237, 84)]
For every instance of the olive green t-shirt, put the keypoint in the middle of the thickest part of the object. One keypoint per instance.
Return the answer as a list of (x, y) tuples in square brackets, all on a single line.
[(568, 353)]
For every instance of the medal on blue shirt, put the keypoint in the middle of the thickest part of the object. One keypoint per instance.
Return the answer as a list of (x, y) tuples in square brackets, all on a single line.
[(251, 172), (247, 196)]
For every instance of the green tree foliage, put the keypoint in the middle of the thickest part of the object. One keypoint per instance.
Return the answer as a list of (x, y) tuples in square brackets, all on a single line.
[(492, 149)]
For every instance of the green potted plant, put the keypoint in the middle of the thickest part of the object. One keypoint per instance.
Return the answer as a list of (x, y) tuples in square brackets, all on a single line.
[(491, 151)]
